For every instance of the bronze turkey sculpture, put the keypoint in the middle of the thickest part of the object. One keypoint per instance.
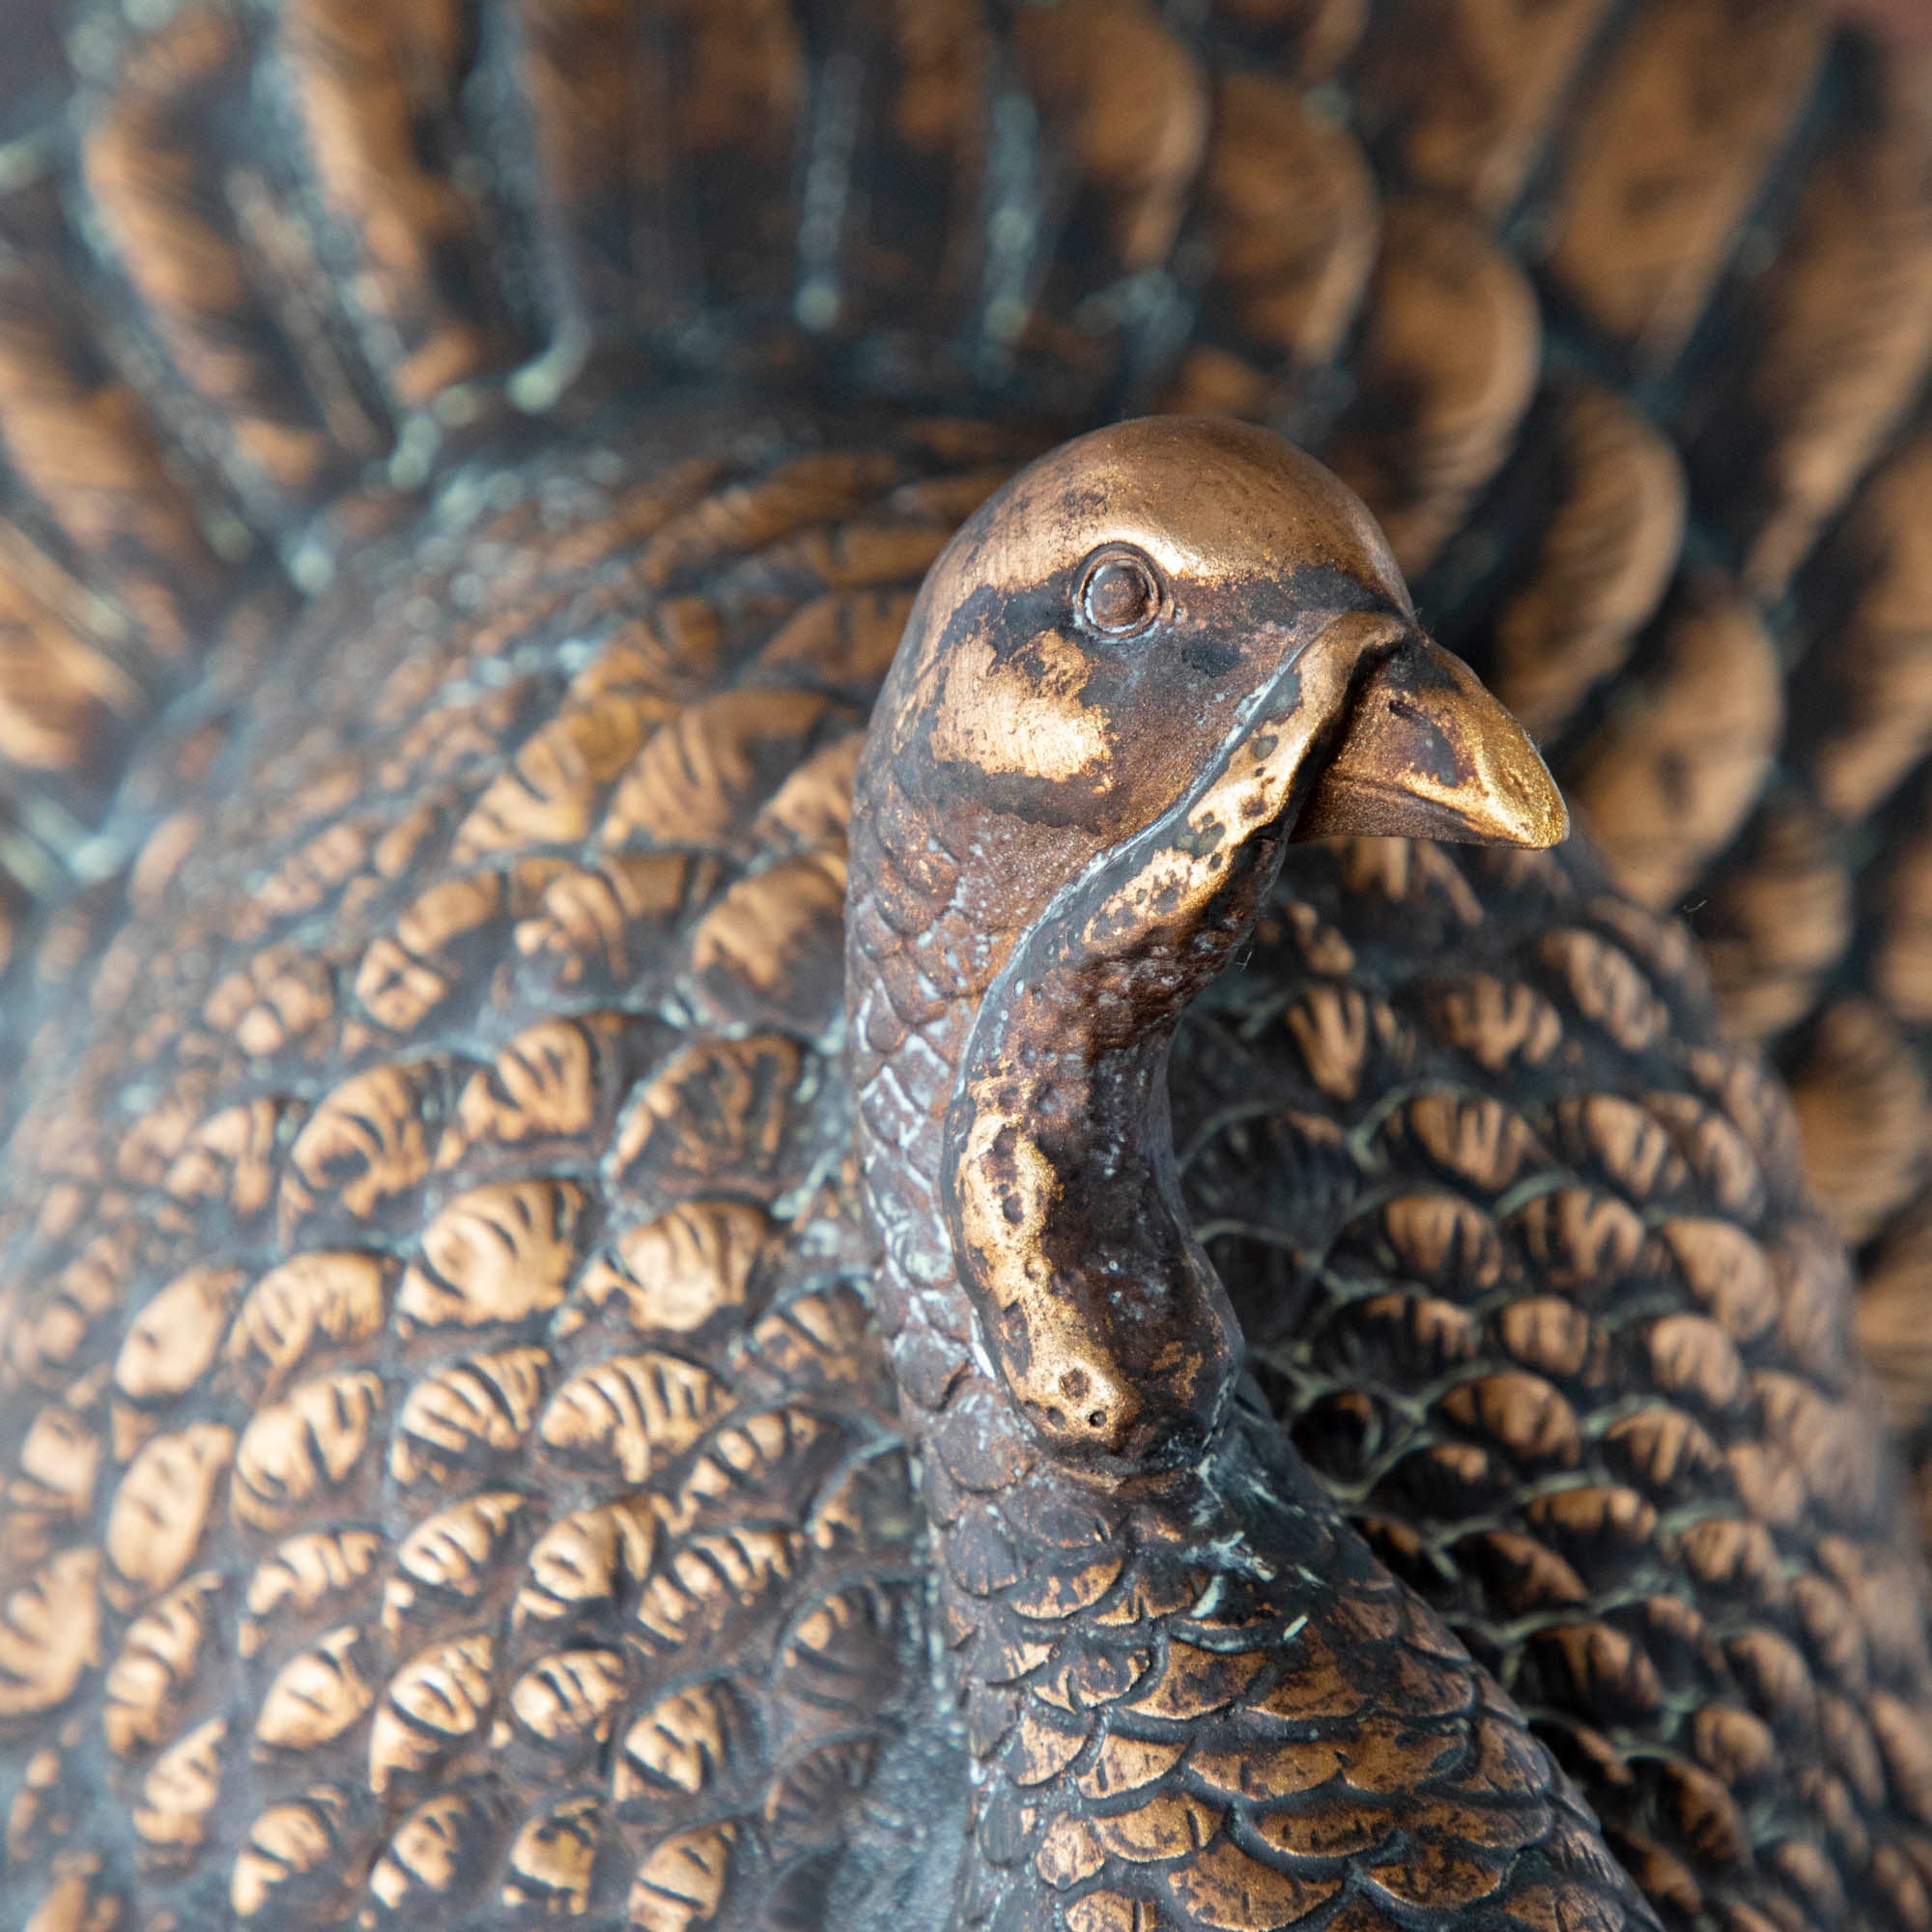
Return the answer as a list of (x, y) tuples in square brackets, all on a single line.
[(1125, 683), (455, 1470)]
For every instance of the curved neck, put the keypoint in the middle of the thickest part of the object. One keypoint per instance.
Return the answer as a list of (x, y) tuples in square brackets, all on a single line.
[(1012, 988), (925, 936), (1063, 1351), (1010, 1048)]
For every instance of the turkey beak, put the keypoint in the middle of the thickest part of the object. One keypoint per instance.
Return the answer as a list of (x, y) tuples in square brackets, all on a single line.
[(1426, 752)]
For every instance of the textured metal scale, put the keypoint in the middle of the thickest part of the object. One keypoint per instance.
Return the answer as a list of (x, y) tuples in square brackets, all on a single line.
[(452, 1469)]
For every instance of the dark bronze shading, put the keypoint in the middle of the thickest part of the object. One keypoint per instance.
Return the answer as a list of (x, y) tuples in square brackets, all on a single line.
[(457, 1467), (464, 470)]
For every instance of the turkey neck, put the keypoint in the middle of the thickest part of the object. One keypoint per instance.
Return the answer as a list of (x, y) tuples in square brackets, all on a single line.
[(1060, 1340)]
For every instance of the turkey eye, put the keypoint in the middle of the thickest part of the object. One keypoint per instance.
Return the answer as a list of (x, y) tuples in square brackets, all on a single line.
[(1119, 594)]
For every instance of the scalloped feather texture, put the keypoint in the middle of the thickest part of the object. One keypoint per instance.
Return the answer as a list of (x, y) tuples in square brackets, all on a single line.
[(375, 919)]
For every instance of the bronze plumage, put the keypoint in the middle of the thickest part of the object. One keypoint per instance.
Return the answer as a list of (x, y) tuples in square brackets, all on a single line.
[(455, 1468)]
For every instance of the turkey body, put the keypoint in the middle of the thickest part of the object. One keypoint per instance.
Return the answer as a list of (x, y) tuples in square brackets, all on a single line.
[(454, 1465), (452, 1472)]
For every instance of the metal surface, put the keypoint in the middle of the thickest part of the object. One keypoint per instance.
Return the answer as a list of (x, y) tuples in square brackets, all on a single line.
[(452, 1465)]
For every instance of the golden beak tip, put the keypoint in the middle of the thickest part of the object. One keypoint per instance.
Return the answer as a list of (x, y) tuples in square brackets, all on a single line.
[(1429, 753), (1525, 806)]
